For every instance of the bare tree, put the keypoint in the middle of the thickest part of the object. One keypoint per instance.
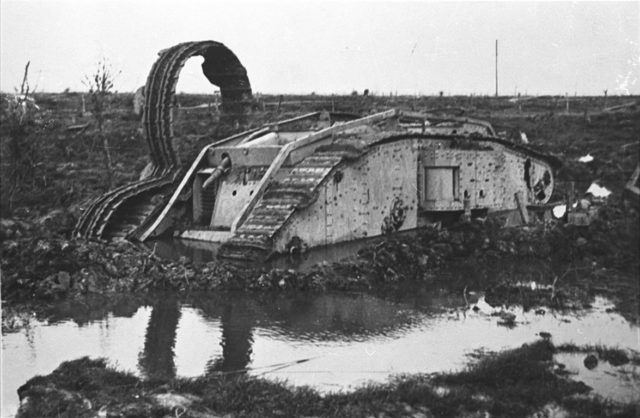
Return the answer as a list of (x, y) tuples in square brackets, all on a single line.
[(19, 154), (101, 84)]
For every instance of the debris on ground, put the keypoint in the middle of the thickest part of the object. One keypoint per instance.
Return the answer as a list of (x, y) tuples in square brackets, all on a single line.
[(586, 158), (576, 262), (559, 211), (40, 264), (598, 191)]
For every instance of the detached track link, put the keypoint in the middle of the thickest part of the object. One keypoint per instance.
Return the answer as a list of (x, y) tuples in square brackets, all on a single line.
[(97, 228), (156, 116), (152, 92), (220, 65), (87, 215), (127, 218), (83, 227), (93, 221), (254, 238), (162, 83), (94, 216)]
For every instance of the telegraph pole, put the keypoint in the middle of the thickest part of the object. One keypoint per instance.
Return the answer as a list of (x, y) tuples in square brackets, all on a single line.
[(496, 68)]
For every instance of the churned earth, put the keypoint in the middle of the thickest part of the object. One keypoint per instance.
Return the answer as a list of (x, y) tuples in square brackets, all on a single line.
[(573, 265)]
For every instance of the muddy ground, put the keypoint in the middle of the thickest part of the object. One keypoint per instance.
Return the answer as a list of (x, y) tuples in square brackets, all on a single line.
[(515, 383), (61, 167)]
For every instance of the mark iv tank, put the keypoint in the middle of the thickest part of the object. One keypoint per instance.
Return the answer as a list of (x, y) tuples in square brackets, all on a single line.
[(311, 182), (322, 179)]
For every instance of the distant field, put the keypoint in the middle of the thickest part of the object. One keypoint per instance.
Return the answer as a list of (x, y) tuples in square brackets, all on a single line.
[(66, 162)]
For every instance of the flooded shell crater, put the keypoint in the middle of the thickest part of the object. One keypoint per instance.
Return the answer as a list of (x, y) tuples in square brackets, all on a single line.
[(331, 342)]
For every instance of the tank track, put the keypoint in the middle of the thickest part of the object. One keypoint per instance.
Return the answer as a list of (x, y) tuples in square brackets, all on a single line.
[(111, 212), (253, 239)]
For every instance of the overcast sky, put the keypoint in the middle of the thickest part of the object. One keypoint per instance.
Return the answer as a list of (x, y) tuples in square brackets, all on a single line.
[(334, 47)]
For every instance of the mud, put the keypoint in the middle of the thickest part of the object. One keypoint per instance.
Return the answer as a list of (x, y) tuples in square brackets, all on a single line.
[(513, 383), (576, 263), (332, 342)]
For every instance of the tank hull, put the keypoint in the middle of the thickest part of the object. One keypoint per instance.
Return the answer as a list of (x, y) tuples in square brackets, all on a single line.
[(285, 190), (314, 180), (407, 183)]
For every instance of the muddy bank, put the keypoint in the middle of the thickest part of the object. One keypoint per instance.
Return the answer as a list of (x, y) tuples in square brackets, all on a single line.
[(513, 383), (574, 264), (40, 262), (329, 341)]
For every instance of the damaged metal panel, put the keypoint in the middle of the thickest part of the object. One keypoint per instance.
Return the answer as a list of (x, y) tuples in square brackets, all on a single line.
[(311, 180), (360, 179), (356, 203), (233, 194)]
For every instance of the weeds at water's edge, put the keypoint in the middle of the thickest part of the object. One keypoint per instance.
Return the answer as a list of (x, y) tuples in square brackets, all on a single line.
[(613, 356), (517, 382), (38, 263)]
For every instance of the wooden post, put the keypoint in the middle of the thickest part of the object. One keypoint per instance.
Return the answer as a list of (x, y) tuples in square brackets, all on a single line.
[(571, 196), (522, 208)]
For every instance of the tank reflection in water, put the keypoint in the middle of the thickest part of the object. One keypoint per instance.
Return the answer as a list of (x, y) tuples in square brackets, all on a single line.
[(328, 341), (157, 356)]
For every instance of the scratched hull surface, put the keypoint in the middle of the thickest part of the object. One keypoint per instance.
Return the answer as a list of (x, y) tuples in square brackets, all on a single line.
[(312, 182)]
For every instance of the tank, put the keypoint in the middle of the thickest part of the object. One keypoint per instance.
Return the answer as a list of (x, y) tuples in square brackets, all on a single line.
[(313, 181), (326, 178)]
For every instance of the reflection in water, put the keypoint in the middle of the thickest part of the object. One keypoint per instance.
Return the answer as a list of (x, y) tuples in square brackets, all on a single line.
[(39, 349), (236, 339), (157, 358), (351, 338), (620, 383), (342, 318)]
